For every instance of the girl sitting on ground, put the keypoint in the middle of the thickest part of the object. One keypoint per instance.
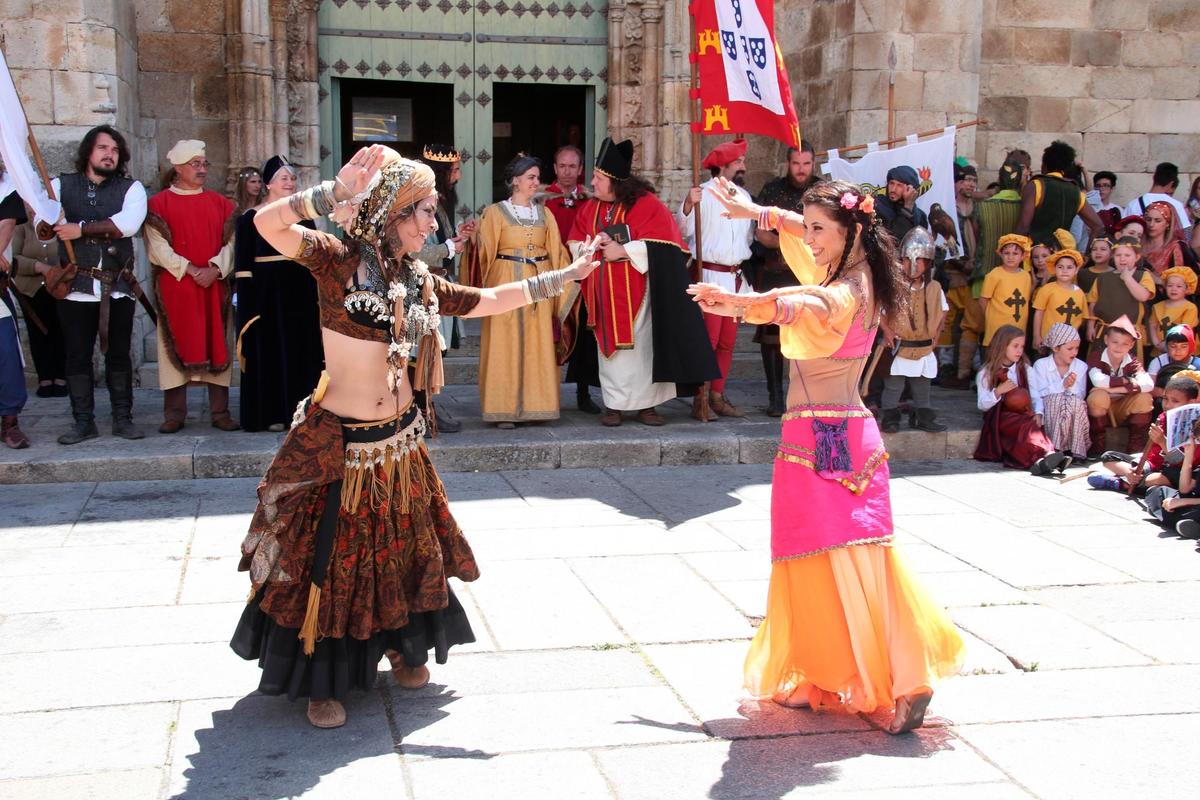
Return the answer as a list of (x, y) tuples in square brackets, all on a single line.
[(1011, 432), (1059, 388)]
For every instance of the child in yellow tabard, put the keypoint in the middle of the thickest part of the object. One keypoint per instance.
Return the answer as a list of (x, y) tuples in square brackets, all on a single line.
[(1179, 283), (1061, 300), (1006, 291)]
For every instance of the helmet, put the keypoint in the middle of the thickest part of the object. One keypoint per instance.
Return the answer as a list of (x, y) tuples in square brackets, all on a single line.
[(917, 243)]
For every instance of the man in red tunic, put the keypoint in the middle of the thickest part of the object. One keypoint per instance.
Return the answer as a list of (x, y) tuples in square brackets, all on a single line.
[(651, 337), (187, 228), (566, 198)]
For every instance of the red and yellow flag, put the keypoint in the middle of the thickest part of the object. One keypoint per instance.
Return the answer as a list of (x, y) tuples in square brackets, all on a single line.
[(743, 84)]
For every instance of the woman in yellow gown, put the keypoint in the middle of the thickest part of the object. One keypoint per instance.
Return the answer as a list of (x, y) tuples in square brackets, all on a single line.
[(848, 625), (518, 367)]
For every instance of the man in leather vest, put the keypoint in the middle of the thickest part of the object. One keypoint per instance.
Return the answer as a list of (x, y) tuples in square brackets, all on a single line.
[(102, 209)]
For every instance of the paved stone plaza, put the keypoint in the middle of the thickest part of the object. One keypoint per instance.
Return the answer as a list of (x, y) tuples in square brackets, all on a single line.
[(612, 615)]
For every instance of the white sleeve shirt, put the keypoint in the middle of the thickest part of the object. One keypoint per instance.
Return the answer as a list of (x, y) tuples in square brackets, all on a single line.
[(724, 241), (128, 220), (1044, 381), (1101, 381)]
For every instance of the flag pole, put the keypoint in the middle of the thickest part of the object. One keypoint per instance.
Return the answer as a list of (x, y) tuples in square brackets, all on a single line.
[(897, 140), (891, 109), (696, 106)]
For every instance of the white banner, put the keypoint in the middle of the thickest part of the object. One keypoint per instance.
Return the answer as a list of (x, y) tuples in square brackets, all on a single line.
[(748, 51), (933, 159), (14, 135)]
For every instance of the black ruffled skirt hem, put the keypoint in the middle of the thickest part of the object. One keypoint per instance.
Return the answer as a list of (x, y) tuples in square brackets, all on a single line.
[(338, 666)]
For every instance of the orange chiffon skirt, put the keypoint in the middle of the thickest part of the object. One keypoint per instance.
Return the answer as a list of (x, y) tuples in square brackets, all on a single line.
[(853, 626)]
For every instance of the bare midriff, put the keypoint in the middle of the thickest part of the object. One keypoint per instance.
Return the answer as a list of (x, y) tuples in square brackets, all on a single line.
[(358, 379)]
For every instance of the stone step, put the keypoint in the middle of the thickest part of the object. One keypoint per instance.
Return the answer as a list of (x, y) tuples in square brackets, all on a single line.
[(464, 370), (574, 440)]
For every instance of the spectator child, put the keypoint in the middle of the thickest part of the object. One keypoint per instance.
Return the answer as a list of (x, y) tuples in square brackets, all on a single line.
[(1058, 384), (1182, 512), (1120, 293), (1038, 256), (1179, 283), (1011, 431), (1099, 262), (1181, 344), (1120, 389), (912, 335), (1007, 290), (1061, 301), (1180, 391)]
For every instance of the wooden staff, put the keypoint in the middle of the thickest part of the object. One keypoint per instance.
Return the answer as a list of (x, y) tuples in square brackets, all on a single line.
[(41, 168), (896, 140), (891, 94), (697, 108)]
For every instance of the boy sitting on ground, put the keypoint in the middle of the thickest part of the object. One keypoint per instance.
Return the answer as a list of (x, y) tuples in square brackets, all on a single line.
[(1181, 390)]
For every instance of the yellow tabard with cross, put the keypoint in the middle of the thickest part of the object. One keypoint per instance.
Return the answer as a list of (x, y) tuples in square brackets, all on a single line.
[(1008, 296)]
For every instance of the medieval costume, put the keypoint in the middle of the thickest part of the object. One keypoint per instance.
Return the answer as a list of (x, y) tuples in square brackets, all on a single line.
[(650, 335), (847, 623), (440, 251), (583, 363), (1120, 394), (12, 361), (1011, 433), (100, 300), (916, 330), (1007, 293), (998, 217), (1110, 299), (770, 271), (188, 227), (518, 364), (279, 346), (964, 323), (1166, 314), (897, 216), (47, 347), (1058, 397), (725, 246), (1056, 202), (352, 542), (1174, 251), (1059, 303)]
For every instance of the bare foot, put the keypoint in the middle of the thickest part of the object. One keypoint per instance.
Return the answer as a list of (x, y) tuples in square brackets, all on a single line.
[(796, 698), (326, 713)]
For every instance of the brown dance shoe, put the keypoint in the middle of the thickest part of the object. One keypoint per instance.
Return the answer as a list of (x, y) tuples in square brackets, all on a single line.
[(651, 417), (722, 406), (702, 409), (326, 713), (407, 677), (170, 426), (611, 418), (226, 424)]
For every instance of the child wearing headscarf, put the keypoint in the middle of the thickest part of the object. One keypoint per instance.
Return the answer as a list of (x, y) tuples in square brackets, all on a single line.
[(1180, 346), (1058, 385)]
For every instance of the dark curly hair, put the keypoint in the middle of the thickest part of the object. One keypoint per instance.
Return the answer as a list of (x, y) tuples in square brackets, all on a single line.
[(627, 191), (1058, 157), (878, 243), (84, 155)]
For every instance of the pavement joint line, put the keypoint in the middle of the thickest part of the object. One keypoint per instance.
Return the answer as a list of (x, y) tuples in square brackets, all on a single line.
[(164, 783), (607, 611), (187, 553), (487, 626), (389, 714), (988, 760), (688, 565), (608, 782)]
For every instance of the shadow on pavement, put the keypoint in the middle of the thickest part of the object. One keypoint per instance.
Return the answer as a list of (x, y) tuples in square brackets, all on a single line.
[(265, 747)]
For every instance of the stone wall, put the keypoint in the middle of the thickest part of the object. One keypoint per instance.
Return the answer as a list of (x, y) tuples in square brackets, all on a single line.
[(74, 63), (182, 83)]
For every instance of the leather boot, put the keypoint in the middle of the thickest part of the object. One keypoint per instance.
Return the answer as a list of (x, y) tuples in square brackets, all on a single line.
[(889, 420), (83, 409), (1098, 433), (445, 422), (584, 401), (120, 393), (927, 421), (1139, 429), (701, 410), (722, 406), (966, 361), (11, 433)]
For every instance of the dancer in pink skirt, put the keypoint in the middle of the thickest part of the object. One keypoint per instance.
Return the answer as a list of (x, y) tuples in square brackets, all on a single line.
[(848, 625)]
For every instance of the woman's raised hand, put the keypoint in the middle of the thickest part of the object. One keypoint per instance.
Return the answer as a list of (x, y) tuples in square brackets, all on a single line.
[(736, 206), (357, 173), (583, 266), (709, 294)]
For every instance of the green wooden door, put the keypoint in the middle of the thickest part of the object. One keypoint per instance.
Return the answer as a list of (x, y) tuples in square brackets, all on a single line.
[(486, 59)]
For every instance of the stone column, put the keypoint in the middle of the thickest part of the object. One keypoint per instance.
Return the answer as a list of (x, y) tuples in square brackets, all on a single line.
[(652, 14), (303, 116), (251, 87)]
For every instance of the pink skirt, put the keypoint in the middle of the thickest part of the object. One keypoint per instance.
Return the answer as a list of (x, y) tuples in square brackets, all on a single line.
[(830, 485)]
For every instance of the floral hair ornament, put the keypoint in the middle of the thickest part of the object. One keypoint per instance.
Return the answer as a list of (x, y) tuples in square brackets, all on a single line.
[(850, 201)]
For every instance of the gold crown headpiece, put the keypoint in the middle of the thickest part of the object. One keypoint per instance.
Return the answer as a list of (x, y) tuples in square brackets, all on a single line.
[(444, 156)]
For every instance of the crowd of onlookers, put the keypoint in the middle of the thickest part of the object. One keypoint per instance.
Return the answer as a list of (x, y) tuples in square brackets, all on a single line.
[(1067, 314)]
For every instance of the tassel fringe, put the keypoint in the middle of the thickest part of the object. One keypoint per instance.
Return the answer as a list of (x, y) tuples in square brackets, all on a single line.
[(309, 632)]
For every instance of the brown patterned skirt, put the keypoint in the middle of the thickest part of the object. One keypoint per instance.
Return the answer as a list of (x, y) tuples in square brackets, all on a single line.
[(390, 545)]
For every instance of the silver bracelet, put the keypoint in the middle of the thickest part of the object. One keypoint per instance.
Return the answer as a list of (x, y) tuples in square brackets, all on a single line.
[(545, 285)]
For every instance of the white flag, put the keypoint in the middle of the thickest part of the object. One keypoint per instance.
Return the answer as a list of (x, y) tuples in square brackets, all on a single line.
[(14, 135), (933, 159)]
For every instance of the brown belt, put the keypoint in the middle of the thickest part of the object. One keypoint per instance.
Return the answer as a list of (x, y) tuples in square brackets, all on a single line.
[(721, 267)]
